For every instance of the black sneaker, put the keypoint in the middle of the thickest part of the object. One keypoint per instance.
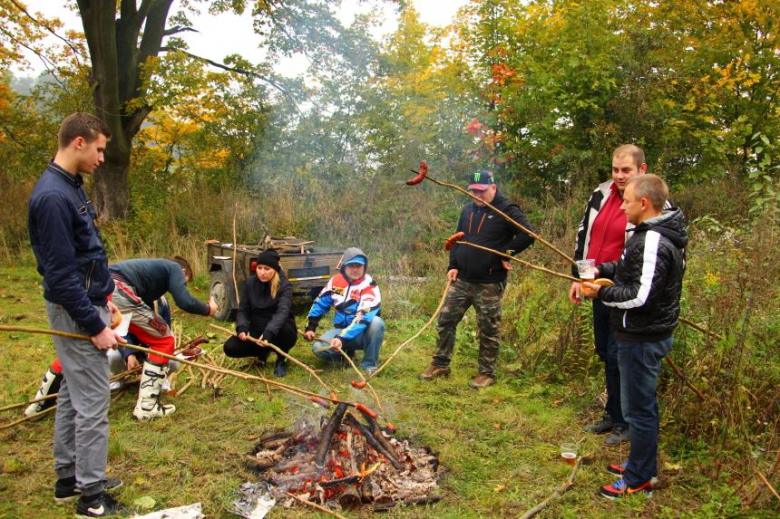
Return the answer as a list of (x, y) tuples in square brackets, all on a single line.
[(617, 436), (600, 427), (101, 505), (66, 493)]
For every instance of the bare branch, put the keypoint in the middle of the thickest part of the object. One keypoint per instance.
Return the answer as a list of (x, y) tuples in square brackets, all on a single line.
[(237, 70), (177, 29)]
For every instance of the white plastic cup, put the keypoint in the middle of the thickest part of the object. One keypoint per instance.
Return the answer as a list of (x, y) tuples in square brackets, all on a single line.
[(587, 269), (569, 453)]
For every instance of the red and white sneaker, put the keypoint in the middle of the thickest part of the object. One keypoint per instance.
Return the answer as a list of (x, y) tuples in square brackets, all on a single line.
[(618, 470), (620, 489)]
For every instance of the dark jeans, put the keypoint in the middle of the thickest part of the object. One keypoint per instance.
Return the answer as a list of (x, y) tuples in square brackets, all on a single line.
[(285, 340), (640, 363), (607, 350)]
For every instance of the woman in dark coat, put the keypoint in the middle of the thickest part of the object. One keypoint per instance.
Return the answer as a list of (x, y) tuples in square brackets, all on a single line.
[(265, 312)]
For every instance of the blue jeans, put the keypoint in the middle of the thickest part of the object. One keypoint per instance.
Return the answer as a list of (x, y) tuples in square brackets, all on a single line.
[(640, 363), (369, 341), (607, 350)]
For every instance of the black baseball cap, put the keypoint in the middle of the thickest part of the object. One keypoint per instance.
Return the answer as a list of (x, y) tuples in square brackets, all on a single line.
[(480, 181)]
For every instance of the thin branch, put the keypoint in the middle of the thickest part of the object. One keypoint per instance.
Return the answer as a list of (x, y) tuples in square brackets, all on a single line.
[(413, 337), (237, 70), (45, 26), (557, 493), (768, 484), (47, 63), (177, 29)]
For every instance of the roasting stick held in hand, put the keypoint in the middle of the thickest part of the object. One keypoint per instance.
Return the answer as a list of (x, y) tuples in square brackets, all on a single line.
[(266, 344), (314, 397), (413, 337), (423, 175), (363, 382)]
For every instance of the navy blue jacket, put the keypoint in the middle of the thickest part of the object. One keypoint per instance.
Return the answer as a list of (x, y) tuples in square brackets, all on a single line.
[(67, 246), (153, 278)]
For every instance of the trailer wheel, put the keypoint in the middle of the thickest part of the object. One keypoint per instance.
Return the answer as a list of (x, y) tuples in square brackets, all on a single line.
[(223, 293)]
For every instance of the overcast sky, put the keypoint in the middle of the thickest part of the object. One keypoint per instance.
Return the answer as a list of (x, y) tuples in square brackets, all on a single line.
[(219, 36)]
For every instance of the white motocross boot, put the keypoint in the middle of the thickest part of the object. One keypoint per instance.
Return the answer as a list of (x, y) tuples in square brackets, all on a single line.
[(148, 406), (49, 386)]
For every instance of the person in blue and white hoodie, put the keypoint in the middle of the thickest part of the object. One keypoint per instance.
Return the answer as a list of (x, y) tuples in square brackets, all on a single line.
[(357, 325)]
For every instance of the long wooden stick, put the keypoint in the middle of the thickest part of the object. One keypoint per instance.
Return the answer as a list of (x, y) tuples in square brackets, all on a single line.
[(116, 377), (352, 364), (685, 379), (413, 337), (700, 328), (235, 247), (28, 418), (557, 493), (505, 216), (572, 278), (362, 378), (315, 505), (285, 387), (768, 484), (522, 262), (266, 344)]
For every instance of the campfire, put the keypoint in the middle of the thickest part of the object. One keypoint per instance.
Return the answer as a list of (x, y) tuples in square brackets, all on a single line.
[(346, 462)]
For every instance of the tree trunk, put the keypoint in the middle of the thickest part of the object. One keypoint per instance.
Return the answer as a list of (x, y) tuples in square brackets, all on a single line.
[(110, 189), (116, 56)]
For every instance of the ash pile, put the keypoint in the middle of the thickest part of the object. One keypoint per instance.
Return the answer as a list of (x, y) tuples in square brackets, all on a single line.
[(347, 462)]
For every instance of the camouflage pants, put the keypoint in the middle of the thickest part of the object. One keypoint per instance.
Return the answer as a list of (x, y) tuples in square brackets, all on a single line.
[(486, 298)]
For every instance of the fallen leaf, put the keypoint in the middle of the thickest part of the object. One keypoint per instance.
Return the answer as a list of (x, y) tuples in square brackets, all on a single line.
[(673, 466), (145, 502), (499, 488)]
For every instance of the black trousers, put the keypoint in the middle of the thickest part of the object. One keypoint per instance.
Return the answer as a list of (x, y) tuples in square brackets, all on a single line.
[(607, 350), (285, 340)]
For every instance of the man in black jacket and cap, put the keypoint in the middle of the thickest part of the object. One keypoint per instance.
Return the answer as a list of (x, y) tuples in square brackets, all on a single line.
[(478, 277)]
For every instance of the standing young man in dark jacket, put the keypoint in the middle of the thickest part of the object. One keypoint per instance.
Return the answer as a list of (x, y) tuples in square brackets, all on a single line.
[(76, 285), (645, 306), (479, 277), (601, 237)]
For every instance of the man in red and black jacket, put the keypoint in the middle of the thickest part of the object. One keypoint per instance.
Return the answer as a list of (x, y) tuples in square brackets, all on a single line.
[(478, 277), (601, 237)]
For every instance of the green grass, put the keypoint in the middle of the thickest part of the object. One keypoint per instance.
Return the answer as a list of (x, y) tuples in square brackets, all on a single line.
[(499, 445)]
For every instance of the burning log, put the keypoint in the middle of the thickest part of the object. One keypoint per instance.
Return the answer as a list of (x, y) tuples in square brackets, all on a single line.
[(376, 431), (374, 442), (324, 447)]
